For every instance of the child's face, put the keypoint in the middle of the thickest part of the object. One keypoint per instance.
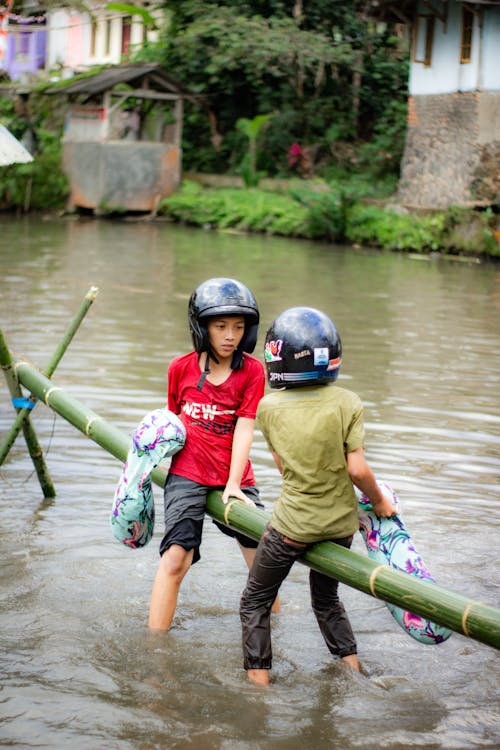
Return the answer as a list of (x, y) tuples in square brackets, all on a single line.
[(225, 334)]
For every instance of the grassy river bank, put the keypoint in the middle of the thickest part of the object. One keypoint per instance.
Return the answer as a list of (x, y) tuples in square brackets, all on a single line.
[(343, 212)]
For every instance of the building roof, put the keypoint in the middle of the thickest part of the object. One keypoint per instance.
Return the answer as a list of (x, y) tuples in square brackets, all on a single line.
[(403, 10), (150, 76)]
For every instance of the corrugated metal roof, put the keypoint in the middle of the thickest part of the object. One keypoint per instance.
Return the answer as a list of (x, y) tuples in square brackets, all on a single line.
[(142, 75)]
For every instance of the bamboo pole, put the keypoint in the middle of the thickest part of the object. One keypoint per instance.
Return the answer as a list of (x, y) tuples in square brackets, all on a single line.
[(80, 416), (474, 619), (456, 612), (11, 436), (34, 448)]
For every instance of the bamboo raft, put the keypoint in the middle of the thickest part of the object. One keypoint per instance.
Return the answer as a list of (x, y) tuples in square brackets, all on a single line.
[(471, 618)]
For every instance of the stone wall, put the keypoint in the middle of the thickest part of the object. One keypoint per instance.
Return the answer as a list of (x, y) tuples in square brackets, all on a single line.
[(452, 151)]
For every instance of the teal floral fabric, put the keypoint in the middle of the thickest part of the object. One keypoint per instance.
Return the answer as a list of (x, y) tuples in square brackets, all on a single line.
[(388, 542), (160, 434)]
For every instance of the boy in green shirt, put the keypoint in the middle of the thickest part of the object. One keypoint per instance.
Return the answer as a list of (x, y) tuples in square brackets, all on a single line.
[(315, 432)]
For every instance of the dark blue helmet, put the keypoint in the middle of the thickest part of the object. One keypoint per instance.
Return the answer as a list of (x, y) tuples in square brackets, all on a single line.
[(302, 347)]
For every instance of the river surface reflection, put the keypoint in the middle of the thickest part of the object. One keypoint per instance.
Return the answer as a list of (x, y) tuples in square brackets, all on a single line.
[(78, 667)]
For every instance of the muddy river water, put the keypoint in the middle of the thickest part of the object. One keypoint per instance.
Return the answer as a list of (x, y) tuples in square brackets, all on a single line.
[(78, 667)]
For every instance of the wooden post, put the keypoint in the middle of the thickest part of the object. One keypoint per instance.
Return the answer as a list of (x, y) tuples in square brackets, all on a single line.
[(11, 436), (34, 448), (471, 618), (178, 115)]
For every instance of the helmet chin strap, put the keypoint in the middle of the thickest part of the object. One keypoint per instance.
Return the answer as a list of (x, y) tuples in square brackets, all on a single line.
[(206, 370), (237, 359)]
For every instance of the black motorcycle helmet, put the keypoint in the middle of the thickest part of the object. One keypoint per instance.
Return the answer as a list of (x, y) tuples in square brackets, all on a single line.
[(302, 347), (221, 296)]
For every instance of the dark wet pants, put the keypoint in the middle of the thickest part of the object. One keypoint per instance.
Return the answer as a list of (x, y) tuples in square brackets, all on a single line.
[(273, 560)]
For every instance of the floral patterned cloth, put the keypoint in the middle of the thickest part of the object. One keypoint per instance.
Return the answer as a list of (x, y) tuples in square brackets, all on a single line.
[(388, 542), (160, 434)]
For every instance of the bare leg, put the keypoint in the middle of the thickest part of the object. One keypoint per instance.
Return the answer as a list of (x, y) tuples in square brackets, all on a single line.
[(249, 555), (174, 564), (258, 676)]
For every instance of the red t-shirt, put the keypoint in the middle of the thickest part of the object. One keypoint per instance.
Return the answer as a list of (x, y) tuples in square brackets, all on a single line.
[(210, 416)]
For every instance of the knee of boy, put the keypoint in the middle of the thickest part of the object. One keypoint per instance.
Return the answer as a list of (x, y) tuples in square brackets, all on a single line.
[(176, 560)]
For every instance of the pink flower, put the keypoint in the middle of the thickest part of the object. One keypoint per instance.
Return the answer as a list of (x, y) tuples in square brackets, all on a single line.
[(295, 154)]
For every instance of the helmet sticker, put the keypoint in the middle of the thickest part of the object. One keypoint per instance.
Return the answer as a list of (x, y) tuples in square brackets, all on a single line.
[(302, 347), (272, 351), (334, 364), (321, 355)]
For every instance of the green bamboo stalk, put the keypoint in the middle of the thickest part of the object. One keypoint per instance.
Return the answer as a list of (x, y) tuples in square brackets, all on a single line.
[(77, 414), (11, 436), (476, 620), (81, 417), (71, 330), (34, 448)]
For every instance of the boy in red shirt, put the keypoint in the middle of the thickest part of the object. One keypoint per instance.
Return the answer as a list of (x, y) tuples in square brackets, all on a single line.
[(215, 391)]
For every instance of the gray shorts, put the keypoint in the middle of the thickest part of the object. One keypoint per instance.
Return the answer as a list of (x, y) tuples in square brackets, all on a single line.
[(185, 506)]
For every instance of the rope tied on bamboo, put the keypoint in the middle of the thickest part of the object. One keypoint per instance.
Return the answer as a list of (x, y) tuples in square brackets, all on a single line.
[(228, 509), (464, 618), (90, 421), (51, 390), (373, 576)]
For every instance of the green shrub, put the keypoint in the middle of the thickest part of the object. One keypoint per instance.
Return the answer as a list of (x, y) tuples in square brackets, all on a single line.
[(40, 184), (251, 209), (327, 212), (471, 232), (370, 225), (383, 153), (332, 214)]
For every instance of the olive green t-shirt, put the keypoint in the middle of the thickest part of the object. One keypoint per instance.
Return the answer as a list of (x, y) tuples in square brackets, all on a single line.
[(312, 428)]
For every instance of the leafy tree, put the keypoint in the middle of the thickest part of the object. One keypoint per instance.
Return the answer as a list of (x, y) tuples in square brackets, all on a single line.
[(252, 129), (320, 68)]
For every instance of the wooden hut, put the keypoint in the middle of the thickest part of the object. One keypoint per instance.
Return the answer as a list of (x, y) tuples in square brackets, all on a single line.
[(122, 138)]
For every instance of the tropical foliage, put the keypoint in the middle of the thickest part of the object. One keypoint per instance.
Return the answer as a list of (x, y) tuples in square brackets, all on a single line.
[(332, 78), (332, 214), (285, 90)]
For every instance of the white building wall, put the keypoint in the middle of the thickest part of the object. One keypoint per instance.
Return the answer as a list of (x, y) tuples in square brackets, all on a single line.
[(57, 25), (468, 74), (69, 39), (105, 53), (491, 51), (447, 74)]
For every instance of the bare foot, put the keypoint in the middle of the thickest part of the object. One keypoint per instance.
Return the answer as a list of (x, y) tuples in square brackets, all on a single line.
[(258, 676), (352, 661)]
